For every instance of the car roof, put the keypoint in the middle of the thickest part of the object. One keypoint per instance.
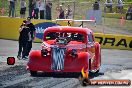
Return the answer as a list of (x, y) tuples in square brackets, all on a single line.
[(68, 29)]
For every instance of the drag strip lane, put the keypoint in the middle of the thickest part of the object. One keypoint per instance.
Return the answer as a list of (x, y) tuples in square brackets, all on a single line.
[(116, 64)]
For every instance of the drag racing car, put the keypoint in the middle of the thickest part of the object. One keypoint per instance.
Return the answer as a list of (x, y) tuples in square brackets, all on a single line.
[(66, 49)]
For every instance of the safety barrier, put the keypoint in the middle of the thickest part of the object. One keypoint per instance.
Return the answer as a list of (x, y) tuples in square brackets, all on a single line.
[(9, 30), (114, 41), (9, 27)]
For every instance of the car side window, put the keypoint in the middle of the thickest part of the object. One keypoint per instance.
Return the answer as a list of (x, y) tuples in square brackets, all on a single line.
[(90, 38)]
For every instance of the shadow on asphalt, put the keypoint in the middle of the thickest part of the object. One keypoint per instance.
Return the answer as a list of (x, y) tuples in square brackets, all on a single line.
[(65, 75), (91, 76)]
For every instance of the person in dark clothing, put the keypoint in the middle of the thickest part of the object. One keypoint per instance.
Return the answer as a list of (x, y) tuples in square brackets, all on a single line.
[(96, 6), (108, 4), (32, 35), (31, 7), (129, 13), (61, 11), (68, 12), (48, 10), (23, 40)]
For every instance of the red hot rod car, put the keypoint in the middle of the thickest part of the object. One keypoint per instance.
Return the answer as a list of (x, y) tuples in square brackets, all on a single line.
[(66, 49)]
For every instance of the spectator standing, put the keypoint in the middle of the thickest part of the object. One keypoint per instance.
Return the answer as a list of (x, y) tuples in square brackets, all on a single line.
[(23, 8), (129, 13), (68, 12), (23, 40), (96, 5), (61, 12), (42, 9), (11, 8), (48, 10), (36, 9), (31, 7), (119, 6), (32, 35), (108, 4)]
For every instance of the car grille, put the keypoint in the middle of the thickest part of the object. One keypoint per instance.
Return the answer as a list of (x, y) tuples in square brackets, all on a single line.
[(57, 56)]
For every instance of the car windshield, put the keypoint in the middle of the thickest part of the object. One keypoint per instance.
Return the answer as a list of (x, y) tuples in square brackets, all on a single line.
[(71, 36)]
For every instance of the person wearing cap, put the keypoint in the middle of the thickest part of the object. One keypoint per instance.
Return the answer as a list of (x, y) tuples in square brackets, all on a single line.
[(96, 5), (23, 40), (61, 15), (32, 35), (60, 12)]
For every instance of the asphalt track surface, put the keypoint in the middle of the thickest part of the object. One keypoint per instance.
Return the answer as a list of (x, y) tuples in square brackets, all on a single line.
[(116, 64)]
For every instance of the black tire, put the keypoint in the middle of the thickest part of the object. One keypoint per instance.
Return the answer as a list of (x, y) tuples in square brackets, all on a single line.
[(85, 82), (33, 73), (97, 71), (91, 72)]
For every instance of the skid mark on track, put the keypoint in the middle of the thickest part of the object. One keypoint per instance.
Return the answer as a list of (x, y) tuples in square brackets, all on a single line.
[(11, 72), (33, 82), (113, 63), (50, 82), (67, 84), (16, 80), (41, 83)]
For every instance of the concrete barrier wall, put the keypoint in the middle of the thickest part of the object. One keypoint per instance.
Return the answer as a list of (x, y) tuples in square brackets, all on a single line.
[(9, 30)]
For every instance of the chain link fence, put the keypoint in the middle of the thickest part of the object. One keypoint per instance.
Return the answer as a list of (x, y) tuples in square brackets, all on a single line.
[(111, 22)]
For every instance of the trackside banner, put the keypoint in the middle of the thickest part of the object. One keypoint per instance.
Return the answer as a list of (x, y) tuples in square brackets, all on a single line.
[(114, 41), (9, 27), (9, 30)]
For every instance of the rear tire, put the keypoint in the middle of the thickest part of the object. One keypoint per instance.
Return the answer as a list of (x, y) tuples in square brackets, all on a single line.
[(83, 81), (94, 72), (33, 73)]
